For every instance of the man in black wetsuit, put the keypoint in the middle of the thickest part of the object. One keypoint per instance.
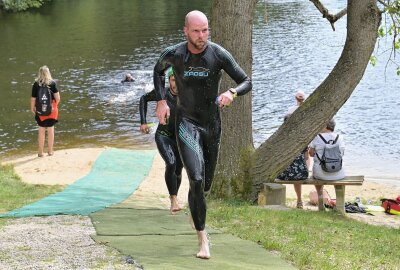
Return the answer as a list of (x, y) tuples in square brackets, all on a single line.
[(198, 65), (166, 140)]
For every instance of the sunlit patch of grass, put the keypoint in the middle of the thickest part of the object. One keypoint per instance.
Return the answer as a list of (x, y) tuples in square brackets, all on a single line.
[(309, 239), (14, 193)]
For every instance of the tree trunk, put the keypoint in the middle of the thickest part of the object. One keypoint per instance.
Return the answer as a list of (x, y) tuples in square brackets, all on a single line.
[(274, 155), (231, 27)]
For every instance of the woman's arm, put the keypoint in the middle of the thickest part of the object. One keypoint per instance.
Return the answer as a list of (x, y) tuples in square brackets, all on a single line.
[(57, 97), (33, 107)]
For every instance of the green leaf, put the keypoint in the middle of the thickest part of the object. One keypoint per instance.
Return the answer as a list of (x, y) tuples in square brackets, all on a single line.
[(381, 32), (373, 60)]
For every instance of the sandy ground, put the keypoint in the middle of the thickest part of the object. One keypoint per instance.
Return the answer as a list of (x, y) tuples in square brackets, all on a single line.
[(63, 168), (40, 242), (69, 165)]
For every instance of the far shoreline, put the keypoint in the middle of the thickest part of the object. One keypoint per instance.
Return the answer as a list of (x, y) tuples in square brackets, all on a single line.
[(68, 165)]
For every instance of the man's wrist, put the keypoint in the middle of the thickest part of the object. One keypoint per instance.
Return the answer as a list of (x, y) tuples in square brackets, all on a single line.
[(233, 92)]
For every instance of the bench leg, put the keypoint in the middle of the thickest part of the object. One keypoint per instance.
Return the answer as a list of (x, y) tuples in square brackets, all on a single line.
[(340, 191)]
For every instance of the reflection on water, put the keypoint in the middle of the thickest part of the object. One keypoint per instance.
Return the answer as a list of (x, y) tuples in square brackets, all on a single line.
[(89, 46)]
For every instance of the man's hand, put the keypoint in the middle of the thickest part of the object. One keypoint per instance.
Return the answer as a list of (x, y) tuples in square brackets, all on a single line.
[(225, 99), (162, 112), (145, 128)]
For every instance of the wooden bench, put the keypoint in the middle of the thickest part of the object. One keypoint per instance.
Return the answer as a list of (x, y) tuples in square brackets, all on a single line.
[(340, 187)]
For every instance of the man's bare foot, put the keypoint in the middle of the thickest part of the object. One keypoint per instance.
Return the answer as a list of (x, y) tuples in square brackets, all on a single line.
[(174, 205), (204, 252)]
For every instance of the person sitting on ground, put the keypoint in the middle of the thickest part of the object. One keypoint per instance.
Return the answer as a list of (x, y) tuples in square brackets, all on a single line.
[(166, 140), (316, 151), (128, 78), (297, 170), (300, 96)]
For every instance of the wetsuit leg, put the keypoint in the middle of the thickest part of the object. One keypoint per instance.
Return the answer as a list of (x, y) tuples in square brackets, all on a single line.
[(169, 152), (189, 144), (210, 149), (178, 167)]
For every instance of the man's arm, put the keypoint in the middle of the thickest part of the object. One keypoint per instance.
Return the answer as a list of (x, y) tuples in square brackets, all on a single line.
[(231, 67), (234, 71), (151, 96), (164, 62)]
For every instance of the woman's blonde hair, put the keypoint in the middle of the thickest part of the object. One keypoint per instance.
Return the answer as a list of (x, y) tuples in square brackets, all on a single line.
[(44, 76)]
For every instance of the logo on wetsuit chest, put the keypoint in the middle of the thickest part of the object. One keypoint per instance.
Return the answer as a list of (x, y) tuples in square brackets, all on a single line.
[(196, 72)]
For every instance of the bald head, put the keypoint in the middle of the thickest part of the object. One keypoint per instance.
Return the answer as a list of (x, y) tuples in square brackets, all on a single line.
[(196, 31), (195, 17)]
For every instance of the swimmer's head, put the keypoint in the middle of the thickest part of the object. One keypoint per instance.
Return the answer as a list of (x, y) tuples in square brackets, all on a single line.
[(196, 31), (171, 78), (128, 77)]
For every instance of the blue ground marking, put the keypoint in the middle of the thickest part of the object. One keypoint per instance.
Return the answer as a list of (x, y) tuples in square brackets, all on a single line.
[(115, 175)]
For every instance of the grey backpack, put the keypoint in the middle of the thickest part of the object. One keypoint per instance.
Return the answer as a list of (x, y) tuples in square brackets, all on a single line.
[(331, 159)]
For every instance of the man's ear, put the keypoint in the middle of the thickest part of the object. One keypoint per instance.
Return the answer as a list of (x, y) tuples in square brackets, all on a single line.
[(185, 31)]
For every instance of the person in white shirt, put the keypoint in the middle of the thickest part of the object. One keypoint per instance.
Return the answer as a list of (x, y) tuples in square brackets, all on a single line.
[(300, 97), (317, 147)]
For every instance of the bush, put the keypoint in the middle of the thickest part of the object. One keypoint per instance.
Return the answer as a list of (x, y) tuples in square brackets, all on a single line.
[(20, 5)]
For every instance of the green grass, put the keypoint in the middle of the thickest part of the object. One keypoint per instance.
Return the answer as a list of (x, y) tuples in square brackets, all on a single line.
[(308, 239), (14, 193)]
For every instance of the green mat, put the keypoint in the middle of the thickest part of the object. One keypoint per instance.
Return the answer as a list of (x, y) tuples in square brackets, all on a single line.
[(114, 176), (157, 240), (120, 222)]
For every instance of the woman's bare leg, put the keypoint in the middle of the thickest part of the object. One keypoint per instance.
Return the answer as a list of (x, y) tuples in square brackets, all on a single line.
[(297, 189), (50, 140), (41, 138)]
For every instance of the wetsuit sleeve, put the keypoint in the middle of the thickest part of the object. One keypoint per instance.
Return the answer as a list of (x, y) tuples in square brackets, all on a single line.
[(235, 72), (151, 96), (162, 64)]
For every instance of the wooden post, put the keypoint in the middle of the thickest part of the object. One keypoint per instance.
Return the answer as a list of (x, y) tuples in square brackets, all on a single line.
[(340, 191)]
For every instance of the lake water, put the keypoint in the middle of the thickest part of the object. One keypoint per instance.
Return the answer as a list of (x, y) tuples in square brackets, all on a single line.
[(90, 44)]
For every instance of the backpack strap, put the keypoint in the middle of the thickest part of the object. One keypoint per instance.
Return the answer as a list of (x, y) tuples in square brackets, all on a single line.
[(328, 142), (337, 137), (320, 161), (322, 138)]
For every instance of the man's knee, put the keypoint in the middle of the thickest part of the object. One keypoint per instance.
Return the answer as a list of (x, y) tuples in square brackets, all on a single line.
[(197, 186)]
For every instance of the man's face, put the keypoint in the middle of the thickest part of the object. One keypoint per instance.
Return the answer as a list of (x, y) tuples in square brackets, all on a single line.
[(196, 33), (172, 85)]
